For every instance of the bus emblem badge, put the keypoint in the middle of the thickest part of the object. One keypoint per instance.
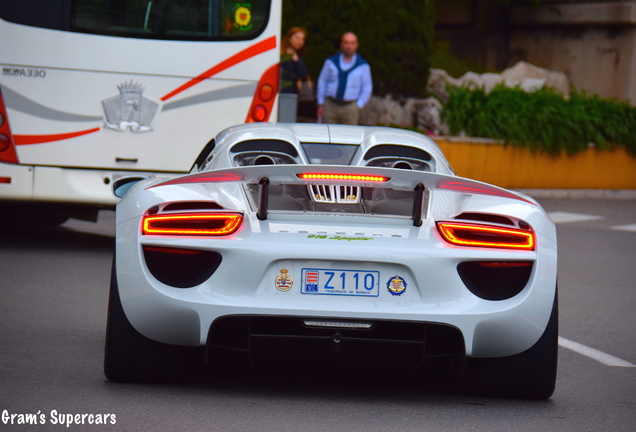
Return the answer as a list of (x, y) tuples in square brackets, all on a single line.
[(130, 110)]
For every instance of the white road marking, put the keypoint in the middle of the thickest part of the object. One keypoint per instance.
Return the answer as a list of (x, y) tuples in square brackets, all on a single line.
[(563, 217), (631, 227), (597, 355)]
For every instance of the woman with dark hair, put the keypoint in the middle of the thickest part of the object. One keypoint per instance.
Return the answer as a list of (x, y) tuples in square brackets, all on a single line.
[(292, 67)]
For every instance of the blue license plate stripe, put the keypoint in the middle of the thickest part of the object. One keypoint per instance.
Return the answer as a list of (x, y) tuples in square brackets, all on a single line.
[(361, 283)]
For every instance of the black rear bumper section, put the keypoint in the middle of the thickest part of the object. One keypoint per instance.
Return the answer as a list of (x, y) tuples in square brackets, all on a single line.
[(495, 280), (404, 344)]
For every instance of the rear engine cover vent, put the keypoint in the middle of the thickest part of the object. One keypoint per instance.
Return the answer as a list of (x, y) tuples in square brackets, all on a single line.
[(263, 158), (397, 151), (334, 194), (397, 163), (266, 145), (353, 199)]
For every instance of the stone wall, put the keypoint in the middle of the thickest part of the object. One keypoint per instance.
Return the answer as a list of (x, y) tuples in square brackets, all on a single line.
[(593, 42), (425, 114)]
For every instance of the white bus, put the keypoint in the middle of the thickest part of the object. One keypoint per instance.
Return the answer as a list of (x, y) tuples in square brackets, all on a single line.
[(92, 90)]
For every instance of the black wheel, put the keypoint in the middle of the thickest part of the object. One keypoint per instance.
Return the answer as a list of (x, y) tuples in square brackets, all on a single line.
[(131, 357), (528, 375)]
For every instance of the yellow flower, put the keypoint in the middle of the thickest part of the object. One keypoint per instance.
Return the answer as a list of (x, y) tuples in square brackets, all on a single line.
[(243, 16)]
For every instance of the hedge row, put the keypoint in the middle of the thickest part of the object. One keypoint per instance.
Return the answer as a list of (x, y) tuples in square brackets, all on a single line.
[(542, 121)]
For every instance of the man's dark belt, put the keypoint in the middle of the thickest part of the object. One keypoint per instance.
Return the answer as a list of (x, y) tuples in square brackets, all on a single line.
[(339, 102)]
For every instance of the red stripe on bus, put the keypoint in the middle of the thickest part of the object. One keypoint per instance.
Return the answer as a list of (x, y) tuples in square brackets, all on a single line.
[(247, 53), (39, 139)]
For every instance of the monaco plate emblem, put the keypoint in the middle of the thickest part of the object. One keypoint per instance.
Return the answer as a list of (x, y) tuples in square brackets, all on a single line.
[(396, 285), (283, 281)]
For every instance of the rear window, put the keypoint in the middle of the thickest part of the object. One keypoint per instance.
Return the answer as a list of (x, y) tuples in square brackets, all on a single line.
[(148, 19), (329, 154)]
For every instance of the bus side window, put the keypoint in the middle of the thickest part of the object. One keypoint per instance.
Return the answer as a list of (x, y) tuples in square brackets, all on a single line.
[(151, 19)]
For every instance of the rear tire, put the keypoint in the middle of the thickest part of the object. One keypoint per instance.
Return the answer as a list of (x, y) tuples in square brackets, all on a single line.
[(131, 357), (528, 375)]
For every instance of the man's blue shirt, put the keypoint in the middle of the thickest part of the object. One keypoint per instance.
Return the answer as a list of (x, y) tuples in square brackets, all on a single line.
[(345, 81)]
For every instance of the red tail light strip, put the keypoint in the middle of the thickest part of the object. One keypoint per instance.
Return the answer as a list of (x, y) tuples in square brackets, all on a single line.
[(189, 224), (364, 178), (486, 236)]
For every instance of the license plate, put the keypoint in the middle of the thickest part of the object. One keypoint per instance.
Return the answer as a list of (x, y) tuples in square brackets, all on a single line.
[(340, 282)]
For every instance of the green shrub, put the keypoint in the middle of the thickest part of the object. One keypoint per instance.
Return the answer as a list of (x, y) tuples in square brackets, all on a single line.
[(543, 120), (395, 38)]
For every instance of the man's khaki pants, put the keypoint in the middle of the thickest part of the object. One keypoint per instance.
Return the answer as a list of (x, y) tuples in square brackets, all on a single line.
[(334, 113)]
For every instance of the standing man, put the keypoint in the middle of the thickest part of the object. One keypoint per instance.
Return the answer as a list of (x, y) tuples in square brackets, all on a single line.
[(344, 85)]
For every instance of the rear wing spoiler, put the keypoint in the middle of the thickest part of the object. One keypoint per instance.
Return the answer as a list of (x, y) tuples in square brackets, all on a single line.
[(389, 178)]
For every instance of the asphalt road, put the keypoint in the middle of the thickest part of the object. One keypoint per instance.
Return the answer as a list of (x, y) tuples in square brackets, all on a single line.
[(53, 297)]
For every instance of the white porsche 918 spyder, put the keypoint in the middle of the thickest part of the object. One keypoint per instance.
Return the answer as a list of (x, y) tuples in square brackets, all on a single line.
[(333, 244)]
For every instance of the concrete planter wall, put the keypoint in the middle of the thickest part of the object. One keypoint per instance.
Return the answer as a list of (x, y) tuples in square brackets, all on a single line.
[(518, 168)]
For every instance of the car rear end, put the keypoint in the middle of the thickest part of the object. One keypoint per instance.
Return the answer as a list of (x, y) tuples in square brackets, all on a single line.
[(354, 264)]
